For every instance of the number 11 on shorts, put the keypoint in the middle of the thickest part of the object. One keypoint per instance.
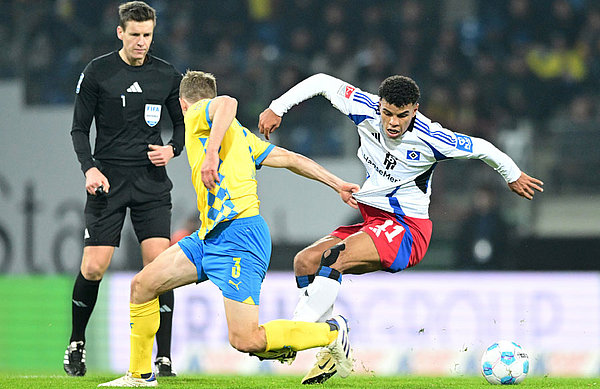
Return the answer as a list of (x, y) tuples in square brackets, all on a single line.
[(390, 235)]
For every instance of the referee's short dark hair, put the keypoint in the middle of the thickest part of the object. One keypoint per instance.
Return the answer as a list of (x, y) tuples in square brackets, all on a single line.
[(399, 91), (137, 11)]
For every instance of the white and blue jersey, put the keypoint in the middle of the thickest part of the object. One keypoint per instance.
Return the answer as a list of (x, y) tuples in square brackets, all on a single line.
[(399, 171)]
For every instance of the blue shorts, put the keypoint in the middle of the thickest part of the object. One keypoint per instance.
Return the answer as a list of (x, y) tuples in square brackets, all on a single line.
[(235, 256)]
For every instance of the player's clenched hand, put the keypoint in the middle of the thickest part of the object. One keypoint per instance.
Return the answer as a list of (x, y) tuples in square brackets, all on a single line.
[(94, 179), (268, 122), (209, 169), (526, 186), (160, 155), (346, 194)]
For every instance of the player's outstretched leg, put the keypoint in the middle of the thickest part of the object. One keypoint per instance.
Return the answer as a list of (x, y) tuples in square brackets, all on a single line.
[(128, 381), (74, 362)]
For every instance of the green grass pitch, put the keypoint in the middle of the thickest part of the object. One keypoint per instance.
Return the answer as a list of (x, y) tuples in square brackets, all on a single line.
[(32, 381)]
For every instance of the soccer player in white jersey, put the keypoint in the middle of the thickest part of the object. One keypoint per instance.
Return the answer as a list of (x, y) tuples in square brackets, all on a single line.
[(399, 147)]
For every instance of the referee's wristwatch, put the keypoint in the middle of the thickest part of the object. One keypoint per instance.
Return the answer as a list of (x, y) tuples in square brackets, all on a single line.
[(174, 148)]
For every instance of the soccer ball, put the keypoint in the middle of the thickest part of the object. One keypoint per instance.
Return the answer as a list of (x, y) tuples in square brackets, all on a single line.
[(504, 363)]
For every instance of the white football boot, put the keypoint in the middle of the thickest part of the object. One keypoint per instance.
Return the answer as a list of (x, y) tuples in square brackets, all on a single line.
[(340, 348), (128, 381)]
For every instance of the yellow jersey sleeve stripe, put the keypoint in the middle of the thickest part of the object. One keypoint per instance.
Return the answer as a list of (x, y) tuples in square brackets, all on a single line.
[(262, 157), (207, 115)]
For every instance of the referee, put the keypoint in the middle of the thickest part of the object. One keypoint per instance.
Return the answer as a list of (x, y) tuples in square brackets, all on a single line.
[(125, 91)]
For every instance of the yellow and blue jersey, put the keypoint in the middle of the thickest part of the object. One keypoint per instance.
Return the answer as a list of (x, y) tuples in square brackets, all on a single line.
[(240, 154)]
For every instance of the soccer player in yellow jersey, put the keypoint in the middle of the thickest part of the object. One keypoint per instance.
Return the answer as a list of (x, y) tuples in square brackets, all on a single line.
[(232, 248)]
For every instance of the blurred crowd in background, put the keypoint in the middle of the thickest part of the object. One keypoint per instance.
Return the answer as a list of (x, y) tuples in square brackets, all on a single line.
[(524, 74), (483, 66)]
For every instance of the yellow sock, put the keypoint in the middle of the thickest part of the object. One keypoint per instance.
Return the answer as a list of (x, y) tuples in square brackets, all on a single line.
[(297, 335), (144, 322)]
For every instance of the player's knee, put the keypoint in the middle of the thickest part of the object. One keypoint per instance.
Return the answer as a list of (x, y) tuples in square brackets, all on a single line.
[(141, 289), (92, 270), (135, 287), (306, 262), (331, 255)]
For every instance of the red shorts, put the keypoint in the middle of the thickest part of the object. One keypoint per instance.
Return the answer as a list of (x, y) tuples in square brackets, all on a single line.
[(401, 241)]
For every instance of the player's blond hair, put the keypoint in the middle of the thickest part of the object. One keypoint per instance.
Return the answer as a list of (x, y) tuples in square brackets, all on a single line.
[(196, 85)]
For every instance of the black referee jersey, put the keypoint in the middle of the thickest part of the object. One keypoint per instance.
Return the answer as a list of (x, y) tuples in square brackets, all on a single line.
[(127, 103)]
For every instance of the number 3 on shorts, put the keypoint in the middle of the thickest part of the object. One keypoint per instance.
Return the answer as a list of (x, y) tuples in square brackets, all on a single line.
[(236, 269)]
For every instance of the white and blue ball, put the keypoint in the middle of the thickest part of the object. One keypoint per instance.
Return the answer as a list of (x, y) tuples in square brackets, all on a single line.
[(505, 363)]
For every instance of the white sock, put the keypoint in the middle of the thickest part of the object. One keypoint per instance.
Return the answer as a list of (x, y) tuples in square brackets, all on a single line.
[(327, 315), (317, 300), (301, 301)]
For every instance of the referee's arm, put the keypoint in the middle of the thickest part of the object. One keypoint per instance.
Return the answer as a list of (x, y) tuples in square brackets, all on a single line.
[(178, 138), (83, 114)]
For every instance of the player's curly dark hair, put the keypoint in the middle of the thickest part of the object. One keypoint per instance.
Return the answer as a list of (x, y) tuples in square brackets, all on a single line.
[(136, 11), (399, 91)]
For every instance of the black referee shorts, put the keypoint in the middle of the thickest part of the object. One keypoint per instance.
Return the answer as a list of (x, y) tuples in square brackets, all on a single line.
[(145, 190)]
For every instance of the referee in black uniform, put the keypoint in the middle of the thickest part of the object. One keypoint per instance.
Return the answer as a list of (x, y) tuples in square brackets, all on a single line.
[(126, 92)]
